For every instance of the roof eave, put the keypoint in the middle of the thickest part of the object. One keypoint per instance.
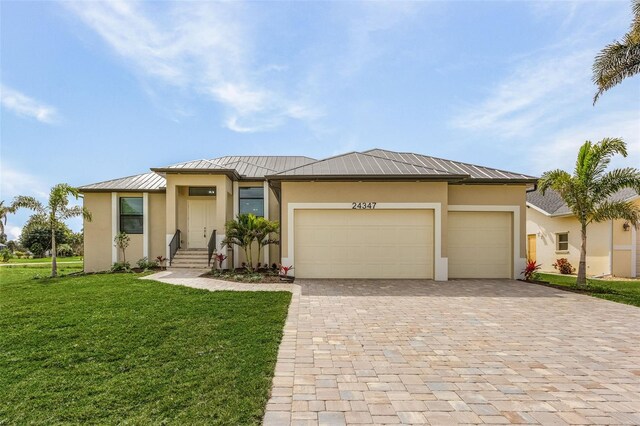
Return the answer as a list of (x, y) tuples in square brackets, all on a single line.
[(227, 172), (377, 178), (500, 181), (90, 190)]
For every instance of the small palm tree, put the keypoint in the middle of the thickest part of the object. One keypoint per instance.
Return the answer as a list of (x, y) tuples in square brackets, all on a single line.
[(620, 59), (248, 229), (4, 212), (588, 191), (55, 212)]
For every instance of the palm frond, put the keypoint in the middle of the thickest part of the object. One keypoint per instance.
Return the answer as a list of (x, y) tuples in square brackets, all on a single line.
[(75, 211), (612, 210), (25, 202), (616, 180)]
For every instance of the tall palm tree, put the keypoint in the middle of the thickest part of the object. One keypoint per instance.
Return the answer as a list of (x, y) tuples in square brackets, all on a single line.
[(588, 191), (620, 59), (4, 212), (55, 212)]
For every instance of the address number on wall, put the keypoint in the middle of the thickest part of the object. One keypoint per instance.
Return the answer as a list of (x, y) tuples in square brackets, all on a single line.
[(363, 206)]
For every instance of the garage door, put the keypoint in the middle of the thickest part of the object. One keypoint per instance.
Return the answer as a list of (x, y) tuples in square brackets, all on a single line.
[(363, 243), (479, 245)]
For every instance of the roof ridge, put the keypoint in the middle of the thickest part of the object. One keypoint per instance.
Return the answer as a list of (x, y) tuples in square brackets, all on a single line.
[(405, 162), (316, 161), (452, 161), (251, 164)]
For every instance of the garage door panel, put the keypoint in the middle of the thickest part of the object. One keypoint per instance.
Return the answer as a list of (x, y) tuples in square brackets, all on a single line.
[(363, 244), (480, 244)]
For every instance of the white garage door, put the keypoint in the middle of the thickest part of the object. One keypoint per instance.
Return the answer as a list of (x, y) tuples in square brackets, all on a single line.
[(363, 243), (480, 245)]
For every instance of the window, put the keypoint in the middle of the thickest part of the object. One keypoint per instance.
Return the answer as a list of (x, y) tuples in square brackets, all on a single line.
[(131, 215), (202, 191), (562, 241), (252, 200)]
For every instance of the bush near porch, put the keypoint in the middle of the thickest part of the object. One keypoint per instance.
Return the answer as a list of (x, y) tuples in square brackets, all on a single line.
[(617, 290), (109, 348)]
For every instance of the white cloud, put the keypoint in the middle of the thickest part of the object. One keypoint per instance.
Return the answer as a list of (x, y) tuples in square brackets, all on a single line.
[(535, 94), (15, 182), (25, 106), (13, 232), (561, 149), (203, 47)]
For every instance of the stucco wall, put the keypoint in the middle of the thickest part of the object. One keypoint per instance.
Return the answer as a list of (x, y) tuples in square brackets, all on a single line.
[(347, 192), (598, 242), (157, 223), (97, 232)]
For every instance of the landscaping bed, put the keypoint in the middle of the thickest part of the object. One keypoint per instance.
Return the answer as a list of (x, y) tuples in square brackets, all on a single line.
[(261, 276)]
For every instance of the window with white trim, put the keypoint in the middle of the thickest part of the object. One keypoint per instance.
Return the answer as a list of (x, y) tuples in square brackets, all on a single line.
[(131, 215), (562, 241)]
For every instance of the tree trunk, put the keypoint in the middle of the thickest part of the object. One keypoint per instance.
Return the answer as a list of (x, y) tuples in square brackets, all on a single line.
[(582, 267), (54, 265)]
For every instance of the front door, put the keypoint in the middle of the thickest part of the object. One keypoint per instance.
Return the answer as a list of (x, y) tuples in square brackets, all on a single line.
[(531, 247), (201, 219)]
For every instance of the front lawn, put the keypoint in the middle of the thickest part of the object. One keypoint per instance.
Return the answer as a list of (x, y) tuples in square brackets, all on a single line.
[(75, 259), (617, 290), (114, 349)]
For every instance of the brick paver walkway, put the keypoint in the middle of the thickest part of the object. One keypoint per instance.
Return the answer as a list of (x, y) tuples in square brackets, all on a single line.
[(385, 352)]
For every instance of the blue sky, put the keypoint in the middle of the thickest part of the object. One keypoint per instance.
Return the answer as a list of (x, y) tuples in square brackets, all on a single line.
[(93, 91)]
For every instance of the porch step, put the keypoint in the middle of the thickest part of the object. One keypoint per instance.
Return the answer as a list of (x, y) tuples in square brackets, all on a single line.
[(191, 259)]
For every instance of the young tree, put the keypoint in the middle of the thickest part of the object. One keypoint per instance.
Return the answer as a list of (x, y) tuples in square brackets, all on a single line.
[(248, 229), (588, 191), (55, 212), (620, 59), (122, 241)]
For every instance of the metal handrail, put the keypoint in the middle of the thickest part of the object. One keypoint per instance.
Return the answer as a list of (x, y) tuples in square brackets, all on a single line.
[(211, 247), (174, 246)]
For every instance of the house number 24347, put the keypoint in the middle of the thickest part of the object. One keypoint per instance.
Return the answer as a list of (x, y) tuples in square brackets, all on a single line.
[(363, 206)]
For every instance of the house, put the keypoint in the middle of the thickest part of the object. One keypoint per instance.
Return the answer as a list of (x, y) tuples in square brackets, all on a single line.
[(613, 247), (372, 214)]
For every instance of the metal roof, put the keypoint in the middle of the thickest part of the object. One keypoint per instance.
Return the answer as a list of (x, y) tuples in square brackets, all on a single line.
[(553, 205), (357, 164), (145, 182), (454, 167)]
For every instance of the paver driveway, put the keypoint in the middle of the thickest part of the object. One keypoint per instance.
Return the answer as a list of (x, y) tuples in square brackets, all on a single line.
[(485, 351)]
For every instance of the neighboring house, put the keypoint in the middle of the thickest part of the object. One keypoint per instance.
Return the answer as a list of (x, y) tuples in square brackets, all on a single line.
[(553, 232), (372, 214)]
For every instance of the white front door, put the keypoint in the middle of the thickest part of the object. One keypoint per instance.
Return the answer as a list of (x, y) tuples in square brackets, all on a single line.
[(201, 219)]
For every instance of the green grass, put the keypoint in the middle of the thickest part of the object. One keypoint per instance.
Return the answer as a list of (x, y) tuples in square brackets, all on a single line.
[(112, 348), (47, 260), (616, 290)]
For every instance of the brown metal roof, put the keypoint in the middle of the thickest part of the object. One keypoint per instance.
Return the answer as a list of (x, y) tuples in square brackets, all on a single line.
[(357, 164), (473, 171), (145, 182)]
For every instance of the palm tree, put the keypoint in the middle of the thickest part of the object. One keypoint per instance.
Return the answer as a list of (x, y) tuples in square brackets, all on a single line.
[(620, 59), (246, 230), (588, 191), (56, 211), (4, 212)]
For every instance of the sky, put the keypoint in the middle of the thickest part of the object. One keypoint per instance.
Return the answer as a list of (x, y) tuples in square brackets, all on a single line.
[(92, 91)]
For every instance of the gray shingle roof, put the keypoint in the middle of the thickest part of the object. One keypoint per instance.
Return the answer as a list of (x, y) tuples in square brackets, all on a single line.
[(145, 182), (362, 165), (553, 205), (454, 167)]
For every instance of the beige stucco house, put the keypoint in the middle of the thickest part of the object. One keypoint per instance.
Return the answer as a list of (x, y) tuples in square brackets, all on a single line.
[(613, 247), (372, 214)]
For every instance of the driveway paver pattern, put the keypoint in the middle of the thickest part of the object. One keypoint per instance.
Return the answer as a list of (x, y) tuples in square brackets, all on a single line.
[(463, 351)]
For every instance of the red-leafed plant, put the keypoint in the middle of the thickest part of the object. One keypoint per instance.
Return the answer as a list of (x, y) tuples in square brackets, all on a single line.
[(161, 261), (284, 270), (530, 269), (564, 266), (219, 258)]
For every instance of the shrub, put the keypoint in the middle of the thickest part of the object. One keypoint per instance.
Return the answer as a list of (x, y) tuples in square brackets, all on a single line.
[(145, 263), (121, 267), (564, 266), (5, 255), (64, 250), (21, 254), (37, 250), (530, 270)]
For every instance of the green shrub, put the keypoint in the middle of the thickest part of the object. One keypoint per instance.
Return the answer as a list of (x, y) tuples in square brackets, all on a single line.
[(64, 250), (145, 263), (5, 255), (21, 254), (121, 267)]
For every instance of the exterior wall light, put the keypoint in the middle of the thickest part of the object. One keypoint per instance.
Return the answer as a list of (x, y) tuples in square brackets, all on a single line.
[(625, 226)]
